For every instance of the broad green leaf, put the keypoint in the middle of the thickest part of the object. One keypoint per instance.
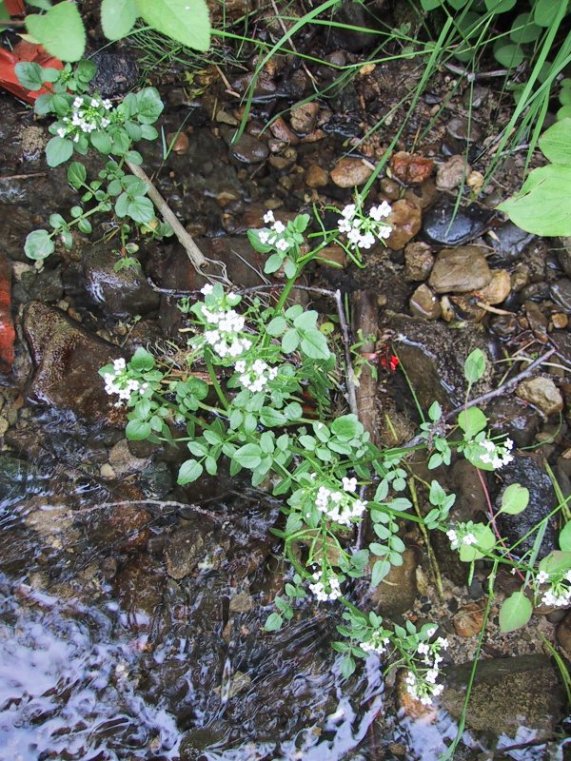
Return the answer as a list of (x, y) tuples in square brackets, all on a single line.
[(60, 31), (514, 499), (545, 11), (118, 17), (565, 537), (457, 4), (142, 360), (564, 112), (30, 75), (543, 206), (556, 562), (76, 174), (508, 54), (430, 5), (101, 141), (290, 341), (380, 569), (348, 666), (249, 456), (85, 71), (137, 430), (475, 366), (38, 245), (556, 142), (515, 612), (58, 150), (524, 30), (346, 427), (84, 226), (500, 6), (141, 209), (314, 345), (190, 471), (472, 421), (273, 622), (185, 21), (485, 540), (277, 326), (150, 105)]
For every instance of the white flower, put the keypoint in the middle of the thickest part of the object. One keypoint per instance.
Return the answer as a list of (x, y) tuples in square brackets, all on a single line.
[(78, 102), (269, 217), (453, 537), (119, 365), (469, 539), (349, 484), (542, 577), (263, 236), (282, 244), (380, 212), (95, 102), (279, 227), (207, 289), (349, 211), (319, 589), (240, 366)]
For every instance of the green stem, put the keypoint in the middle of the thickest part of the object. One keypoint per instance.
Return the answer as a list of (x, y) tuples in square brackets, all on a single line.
[(215, 383)]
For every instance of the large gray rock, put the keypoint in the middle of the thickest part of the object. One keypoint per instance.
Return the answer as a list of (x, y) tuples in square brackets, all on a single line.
[(459, 270)]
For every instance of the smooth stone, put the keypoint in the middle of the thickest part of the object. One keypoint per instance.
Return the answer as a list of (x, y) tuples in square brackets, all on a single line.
[(418, 261), (423, 303), (542, 392), (498, 289), (515, 418), (469, 619), (560, 292), (183, 553), (459, 270), (563, 634), (397, 592), (349, 172), (542, 499), (316, 176), (411, 168), (406, 220), (117, 73), (67, 359), (508, 242), (303, 116), (119, 293), (452, 173), (249, 150), (508, 694), (441, 225)]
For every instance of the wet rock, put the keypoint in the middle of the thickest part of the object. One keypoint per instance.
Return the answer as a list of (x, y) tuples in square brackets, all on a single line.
[(45, 285), (117, 73), (542, 392), (433, 357), (452, 173), (508, 242), (349, 172), (178, 142), (390, 189), (138, 586), (397, 592), (316, 176), (498, 289), (512, 416), (563, 634), (411, 168), (303, 117), (124, 526), (560, 292), (469, 620), (119, 293), (459, 270), (423, 303), (443, 225), (281, 131), (418, 261), (406, 220), (508, 694), (67, 359), (7, 331), (461, 132), (542, 500), (241, 603), (353, 14), (249, 150), (185, 550), (123, 462), (34, 140)]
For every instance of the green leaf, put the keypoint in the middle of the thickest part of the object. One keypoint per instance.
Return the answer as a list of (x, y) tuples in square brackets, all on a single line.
[(58, 150), (249, 456), (556, 142), (346, 427), (472, 421), (508, 54), (84, 226), (76, 174), (556, 562), (101, 142), (485, 541), (475, 366), (141, 209), (500, 6), (273, 622), (524, 30), (314, 345), (60, 31), (430, 5), (85, 71), (150, 105), (38, 245), (185, 21), (348, 666), (277, 326), (514, 499), (545, 12), (380, 569), (565, 537), (142, 360), (30, 75), (271, 418), (543, 206), (118, 18), (290, 341), (137, 430), (190, 471), (515, 612)]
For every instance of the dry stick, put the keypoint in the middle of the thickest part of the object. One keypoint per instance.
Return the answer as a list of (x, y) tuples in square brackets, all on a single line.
[(199, 261)]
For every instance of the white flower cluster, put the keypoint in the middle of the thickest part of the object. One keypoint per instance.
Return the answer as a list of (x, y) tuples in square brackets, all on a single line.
[(496, 455), (226, 326), (376, 644), (325, 592), (274, 236), (256, 376), (559, 594), (364, 231), (457, 538), (422, 685), (339, 506), (87, 115), (119, 383)]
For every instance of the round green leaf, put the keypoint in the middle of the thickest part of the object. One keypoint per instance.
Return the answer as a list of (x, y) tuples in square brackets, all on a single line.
[(475, 366), (118, 18), (457, 4), (190, 471), (60, 31), (185, 21), (472, 421), (137, 430), (555, 142), (273, 622), (141, 209), (30, 75), (101, 141), (430, 5), (545, 11), (565, 537), (76, 174), (514, 499), (564, 112), (508, 54), (38, 245), (150, 105), (524, 30), (515, 612), (543, 206), (58, 150), (500, 6)]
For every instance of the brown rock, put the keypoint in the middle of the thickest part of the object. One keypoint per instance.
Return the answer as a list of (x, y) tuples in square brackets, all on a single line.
[(304, 116), (178, 142), (406, 220), (452, 173), (250, 150), (281, 131), (423, 303), (469, 620), (498, 289), (332, 256), (459, 270), (563, 634), (349, 172), (542, 392), (397, 592), (411, 168), (316, 176), (418, 261), (560, 320)]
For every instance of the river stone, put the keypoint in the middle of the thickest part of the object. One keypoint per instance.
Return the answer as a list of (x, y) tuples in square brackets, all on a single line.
[(459, 270), (303, 116), (316, 176), (423, 303), (542, 499), (249, 150), (183, 553), (350, 172), (508, 242), (433, 357), (508, 694), (542, 392), (119, 293), (498, 289), (515, 418), (397, 592), (67, 359), (445, 224), (406, 219), (560, 292), (452, 173), (418, 261)]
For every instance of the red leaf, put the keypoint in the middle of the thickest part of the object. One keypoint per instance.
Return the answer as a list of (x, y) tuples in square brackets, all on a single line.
[(7, 332)]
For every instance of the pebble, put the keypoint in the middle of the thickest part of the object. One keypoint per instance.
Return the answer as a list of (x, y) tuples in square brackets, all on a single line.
[(332, 256), (423, 303), (453, 227), (249, 150), (397, 592), (542, 392), (469, 620), (411, 168), (303, 117), (560, 292), (106, 471), (281, 131), (406, 219), (418, 261), (316, 176), (498, 289), (452, 173), (508, 242), (460, 132), (350, 172), (459, 270)]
